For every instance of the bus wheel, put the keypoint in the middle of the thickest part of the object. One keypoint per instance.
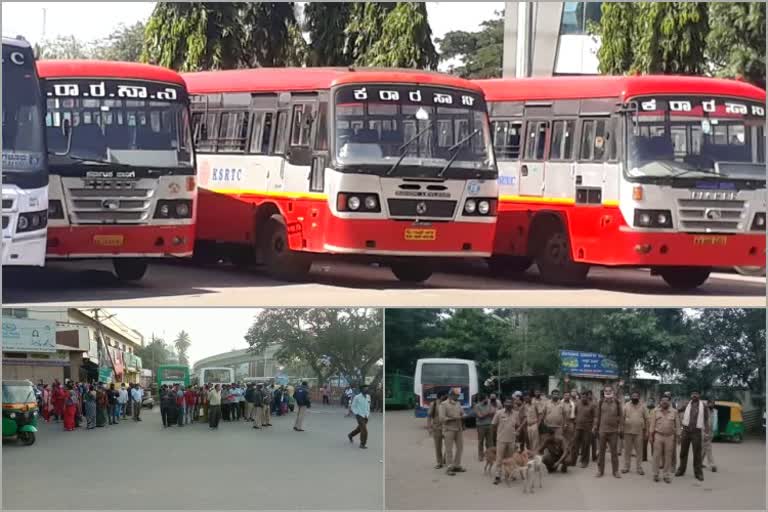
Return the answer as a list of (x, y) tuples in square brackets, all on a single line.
[(280, 262), (129, 269), (502, 266), (410, 272), (685, 278), (554, 260)]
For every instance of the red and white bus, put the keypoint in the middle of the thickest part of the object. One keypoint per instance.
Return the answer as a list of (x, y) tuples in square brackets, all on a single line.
[(122, 163), (395, 166), (665, 172)]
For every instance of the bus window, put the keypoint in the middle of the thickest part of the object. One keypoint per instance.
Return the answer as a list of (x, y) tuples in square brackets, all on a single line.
[(507, 139), (536, 140), (280, 134), (233, 132), (301, 125), (321, 138), (266, 138), (204, 125), (256, 133), (561, 147), (595, 139), (761, 144)]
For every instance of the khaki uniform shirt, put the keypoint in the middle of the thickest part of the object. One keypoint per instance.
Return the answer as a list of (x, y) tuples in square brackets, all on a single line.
[(664, 422), (585, 415), (568, 412), (554, 414), (539, 405), (530, 415), (451, 416), (608, 418), (635, 418), (434, 413), (507, 424)]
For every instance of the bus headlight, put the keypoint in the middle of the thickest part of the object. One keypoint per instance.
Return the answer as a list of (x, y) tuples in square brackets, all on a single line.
[(483, 207), (353, 203), (12, 415), (360, 202), (758, 224), (173, 209), (480, 206), (371, 203), (182, 210), (470, 206), (653, 219), (32, 221)]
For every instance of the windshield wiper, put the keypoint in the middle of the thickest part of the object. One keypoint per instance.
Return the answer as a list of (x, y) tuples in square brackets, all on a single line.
[(701, 170), (404, 148), (453, 149)]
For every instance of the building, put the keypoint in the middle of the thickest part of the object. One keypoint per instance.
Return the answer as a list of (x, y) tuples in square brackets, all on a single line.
[(248, 364), (550, 38), (64, 343)]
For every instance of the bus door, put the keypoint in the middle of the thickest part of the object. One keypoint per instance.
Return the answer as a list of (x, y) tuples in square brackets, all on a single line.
[(299, 151), (533, 163), (276, 173), (596, 177), (320, 155)]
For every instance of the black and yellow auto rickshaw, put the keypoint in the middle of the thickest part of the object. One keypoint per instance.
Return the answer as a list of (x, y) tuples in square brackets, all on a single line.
[(19, 411), (730, 423)]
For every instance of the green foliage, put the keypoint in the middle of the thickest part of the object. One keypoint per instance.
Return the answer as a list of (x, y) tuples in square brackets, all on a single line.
[(156, 353), (480, 53), (619, 31), (405, 328), (124, 44), (326, 23), (64, 47), (736, 40), (182, 343), (346, 341), (270, 30)]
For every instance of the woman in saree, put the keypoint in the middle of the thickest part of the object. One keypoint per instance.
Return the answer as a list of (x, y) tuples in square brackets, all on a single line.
[(101, 406), (58, 399), (70, 409), (90, 408), (47, 406)]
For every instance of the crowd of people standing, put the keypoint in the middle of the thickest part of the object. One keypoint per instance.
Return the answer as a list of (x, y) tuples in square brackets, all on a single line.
[(580, 428)]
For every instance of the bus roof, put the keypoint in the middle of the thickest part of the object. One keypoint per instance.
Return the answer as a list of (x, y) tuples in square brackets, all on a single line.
[(444, 360), (621, 87), (312, 79), (19, 42), (106, 69)]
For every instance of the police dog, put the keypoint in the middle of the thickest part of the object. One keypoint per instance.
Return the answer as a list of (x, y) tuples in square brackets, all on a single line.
[(490, 459), (514, 466), (535, 469)]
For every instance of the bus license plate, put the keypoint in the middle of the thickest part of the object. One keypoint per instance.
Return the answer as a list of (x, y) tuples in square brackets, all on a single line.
[(420, 235), (108, 240), (710, 240)]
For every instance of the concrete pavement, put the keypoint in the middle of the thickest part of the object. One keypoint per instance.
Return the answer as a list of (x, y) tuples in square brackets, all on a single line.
[(336, 283), (411, 483), (143, 466)]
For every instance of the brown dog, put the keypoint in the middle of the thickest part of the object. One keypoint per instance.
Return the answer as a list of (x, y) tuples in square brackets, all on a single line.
[(515, 465), (490, 459)]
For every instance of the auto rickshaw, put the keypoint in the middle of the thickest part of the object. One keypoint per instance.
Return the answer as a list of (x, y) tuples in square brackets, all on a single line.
[(730, 423), (19, 411)]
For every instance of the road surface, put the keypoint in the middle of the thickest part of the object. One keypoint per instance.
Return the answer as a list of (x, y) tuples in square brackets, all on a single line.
[(180, 284), (142, 466), (411, 483)]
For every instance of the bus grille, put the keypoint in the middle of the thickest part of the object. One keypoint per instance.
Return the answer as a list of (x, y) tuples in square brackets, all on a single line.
[(711, 215), (409, 208), (110, 206)]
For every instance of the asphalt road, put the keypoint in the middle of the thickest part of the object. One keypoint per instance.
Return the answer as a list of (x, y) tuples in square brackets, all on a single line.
[(411, 483), (141, 466), (180, 284)]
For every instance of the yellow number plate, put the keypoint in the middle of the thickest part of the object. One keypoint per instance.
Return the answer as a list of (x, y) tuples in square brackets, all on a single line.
[(710, 240), (420, 235), (108, 240)]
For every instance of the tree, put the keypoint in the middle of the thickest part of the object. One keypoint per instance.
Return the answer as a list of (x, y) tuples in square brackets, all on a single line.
[(272, 35), (156, 353), (736, 40), (64, 47), (480, 52), (330, 341), (182, 343), (326, 24), (653, 37), (124, 44), (405, 328)]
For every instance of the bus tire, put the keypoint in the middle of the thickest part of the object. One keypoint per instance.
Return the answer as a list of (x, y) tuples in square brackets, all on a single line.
[(130, 269), (553, 257), (685, 278), (410, 272), (280, 262), (503, 266)]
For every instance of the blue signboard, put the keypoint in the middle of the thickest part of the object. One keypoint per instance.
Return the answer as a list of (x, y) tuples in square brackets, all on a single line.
[(27, 335), (587, 364)]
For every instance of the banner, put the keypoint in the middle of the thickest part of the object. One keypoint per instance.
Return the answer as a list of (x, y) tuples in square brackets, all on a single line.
[(117, 360), (587, 364), (27, 335), (105, 375)]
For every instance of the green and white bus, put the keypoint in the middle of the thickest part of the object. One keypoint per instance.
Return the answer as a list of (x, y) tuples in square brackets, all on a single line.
[(170, 374)]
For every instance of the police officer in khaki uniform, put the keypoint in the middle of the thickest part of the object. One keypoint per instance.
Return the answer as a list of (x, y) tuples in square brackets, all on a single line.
[(553, 418), (609, 425), (531, 421), (507, 422), (453, 432), (635, 431), (436, 428), (664, 428)]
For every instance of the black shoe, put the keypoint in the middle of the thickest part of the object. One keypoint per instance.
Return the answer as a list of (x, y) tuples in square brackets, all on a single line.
[(439, 466), (349, 436), (257, 428), (496, 481), (656, 478), (679, 473), (363, 447), (700, 478), (460, 470)]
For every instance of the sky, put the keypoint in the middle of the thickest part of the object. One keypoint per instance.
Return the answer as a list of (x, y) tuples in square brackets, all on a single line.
[(65, 18), (212, 330)]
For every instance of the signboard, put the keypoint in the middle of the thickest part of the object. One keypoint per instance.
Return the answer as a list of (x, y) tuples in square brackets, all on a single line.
[(27, 335), (105, 375), (281, 379), (587, 364), (117, 360)]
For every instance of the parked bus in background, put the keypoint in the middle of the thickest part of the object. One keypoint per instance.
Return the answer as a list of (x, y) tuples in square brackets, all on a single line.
[(25, 162), (436, 375), (394, 166), (170, 374), (665, 172), (122, 163), (216, 376)]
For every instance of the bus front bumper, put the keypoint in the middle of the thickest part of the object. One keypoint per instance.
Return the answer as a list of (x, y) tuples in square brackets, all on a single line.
[(121, 241), (25, 250)]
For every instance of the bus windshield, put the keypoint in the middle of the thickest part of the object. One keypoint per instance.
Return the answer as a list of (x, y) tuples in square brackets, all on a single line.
[(696, 137), (217, 376), (421, 127), (23, 137), (445, 374), (173, 374), (143, 124)]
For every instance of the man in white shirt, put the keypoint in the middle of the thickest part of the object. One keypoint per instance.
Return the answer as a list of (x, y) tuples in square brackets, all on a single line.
[(122, 399), (361, 408), (136, 395)]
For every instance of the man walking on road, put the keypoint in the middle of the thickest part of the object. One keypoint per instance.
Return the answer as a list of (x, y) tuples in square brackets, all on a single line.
[(484, 414), (453, 432), (214, 407), (435, 426), (506, 423), (707, 436), (664, 427), (635, 431), (361, 408), (303, 403), (137, 394), (695, 421), (608, 424), (585, 419)]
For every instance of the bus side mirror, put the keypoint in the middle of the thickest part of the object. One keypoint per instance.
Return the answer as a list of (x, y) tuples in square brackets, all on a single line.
[(66, 127)]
